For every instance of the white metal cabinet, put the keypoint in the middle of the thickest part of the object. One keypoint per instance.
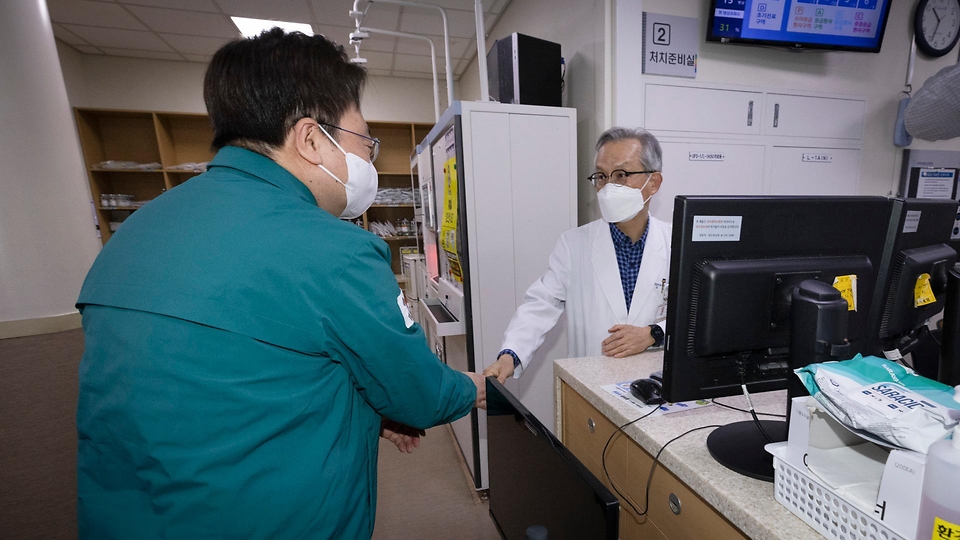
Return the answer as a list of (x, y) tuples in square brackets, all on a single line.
[(811, 116), (705, 110), (814, 171), (517, 194), (706, 168)]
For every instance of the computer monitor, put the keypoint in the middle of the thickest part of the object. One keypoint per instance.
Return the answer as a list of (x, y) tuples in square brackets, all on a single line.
[(915, 280), (536, 481), (736, 264)]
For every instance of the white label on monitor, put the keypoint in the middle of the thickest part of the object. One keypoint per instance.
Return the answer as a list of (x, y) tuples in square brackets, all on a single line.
[(912, 223), (817, 158), (707, 156), (716, 228)]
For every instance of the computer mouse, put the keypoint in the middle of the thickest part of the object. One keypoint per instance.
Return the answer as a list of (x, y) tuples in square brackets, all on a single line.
[(647, 391)]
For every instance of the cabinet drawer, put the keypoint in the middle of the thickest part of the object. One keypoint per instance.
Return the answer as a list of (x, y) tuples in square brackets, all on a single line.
[(704, 110), (810, 116), (695, 520), (586, 431)]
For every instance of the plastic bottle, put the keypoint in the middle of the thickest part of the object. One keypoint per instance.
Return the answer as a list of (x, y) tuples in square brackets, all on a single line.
[(940, 501)]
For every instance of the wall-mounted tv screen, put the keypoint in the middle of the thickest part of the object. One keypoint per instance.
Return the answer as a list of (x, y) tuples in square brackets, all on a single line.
[(850, 25)]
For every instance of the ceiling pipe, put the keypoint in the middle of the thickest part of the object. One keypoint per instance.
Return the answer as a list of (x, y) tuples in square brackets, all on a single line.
[(358, 17), (364, 32)]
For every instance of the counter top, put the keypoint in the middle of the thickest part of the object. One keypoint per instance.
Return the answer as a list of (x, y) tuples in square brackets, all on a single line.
[(747, 503)]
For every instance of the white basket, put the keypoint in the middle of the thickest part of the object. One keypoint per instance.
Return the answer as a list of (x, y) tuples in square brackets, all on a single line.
[(818, 506)]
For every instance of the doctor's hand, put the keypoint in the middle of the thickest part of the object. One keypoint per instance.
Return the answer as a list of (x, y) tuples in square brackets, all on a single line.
[(481, 382), (405, 437), (626, 340), (502, 369)]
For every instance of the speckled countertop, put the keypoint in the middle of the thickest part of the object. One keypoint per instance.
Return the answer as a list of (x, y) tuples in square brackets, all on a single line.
[(745, 502)]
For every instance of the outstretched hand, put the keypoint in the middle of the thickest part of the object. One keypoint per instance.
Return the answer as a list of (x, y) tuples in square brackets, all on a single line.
[(502, 369)]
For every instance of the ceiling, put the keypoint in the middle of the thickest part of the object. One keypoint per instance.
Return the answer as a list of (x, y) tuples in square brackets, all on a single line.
[(192, 30)]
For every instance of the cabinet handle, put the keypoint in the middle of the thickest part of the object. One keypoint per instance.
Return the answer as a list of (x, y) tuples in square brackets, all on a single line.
[(776, 114), (591, 425), (750, 113), (675, 504)]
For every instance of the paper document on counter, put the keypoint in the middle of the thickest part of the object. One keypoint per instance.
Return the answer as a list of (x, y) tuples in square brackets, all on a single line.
[(622, 391)]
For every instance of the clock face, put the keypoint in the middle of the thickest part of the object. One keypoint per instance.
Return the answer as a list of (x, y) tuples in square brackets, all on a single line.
[(940, 23)]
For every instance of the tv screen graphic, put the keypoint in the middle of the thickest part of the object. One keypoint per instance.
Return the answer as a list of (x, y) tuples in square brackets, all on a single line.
[(851, 25)]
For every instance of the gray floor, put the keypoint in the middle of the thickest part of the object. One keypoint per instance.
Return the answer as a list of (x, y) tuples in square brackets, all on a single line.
[(426, 495), (423, 495)]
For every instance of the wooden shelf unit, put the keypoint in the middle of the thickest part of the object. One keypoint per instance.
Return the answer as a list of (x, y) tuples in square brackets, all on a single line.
[(175, 138), (398, 141), (144, 137)]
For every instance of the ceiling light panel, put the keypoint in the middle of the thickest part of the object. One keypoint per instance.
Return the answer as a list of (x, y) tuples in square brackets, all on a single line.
[(284, 10), (254, 27)]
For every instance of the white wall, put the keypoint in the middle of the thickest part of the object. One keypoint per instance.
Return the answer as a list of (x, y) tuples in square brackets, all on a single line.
[(580, 29), (878, 77), (47, 237), (109, 82), (578, 26)]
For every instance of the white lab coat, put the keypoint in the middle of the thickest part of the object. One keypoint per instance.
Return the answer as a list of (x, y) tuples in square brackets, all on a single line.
[(583, 278)]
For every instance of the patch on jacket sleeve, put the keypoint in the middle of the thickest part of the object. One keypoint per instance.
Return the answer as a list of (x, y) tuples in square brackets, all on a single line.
[(404, 311)]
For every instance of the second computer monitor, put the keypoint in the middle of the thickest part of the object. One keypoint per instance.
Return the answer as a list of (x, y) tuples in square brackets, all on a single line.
[(735, 263)]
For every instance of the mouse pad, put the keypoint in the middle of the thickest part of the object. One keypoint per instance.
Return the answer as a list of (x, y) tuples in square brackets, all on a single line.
[(622, 391)]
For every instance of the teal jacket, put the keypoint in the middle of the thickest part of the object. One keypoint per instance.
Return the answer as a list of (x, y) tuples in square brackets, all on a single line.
[(242, 346)]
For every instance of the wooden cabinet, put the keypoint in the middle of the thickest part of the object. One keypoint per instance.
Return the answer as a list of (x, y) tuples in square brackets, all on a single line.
[(173, 139), (164, 139), (398, 143), (675, 511)]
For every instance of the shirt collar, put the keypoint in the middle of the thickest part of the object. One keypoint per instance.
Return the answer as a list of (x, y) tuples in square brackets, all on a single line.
[(620, 239), (262, 167)]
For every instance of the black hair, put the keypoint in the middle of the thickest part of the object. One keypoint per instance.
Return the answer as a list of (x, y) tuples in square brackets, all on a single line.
[(257, 89)]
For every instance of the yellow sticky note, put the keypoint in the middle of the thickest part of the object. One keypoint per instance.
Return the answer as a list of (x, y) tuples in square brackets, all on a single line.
[(944, 529), (847, 285), (923, 292)]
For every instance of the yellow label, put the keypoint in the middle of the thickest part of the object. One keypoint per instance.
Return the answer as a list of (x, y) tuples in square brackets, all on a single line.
[(923, 292), (943, 529), (448, 227), (847, 285)]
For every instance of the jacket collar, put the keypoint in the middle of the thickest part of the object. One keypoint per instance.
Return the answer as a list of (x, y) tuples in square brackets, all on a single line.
[(263, 168)]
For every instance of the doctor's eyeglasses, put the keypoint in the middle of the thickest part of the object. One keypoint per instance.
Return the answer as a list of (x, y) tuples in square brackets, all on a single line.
[(618, 176), (374, 150)]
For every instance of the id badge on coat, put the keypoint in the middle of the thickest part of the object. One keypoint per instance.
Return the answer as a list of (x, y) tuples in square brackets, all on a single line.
[(663, 288)]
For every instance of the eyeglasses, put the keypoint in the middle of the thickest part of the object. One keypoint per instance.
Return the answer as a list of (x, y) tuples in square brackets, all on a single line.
[(618, 176), (374, 150)]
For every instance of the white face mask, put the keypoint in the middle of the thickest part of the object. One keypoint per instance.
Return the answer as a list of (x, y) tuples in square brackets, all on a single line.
[(620, 203), (361, 185)]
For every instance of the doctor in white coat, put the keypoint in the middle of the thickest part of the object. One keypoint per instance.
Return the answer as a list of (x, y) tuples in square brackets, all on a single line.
[(609, 275)]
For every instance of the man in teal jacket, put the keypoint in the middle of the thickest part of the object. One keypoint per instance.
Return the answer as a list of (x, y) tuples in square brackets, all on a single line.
[(245, 347)]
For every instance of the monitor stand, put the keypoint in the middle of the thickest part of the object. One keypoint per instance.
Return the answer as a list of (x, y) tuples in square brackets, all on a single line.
[(818, 320), (740, 447)]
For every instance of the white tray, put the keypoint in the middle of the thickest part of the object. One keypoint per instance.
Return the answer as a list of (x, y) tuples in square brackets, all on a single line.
[(820, 507)]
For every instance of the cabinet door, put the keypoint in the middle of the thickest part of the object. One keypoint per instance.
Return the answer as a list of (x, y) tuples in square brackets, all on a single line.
[(707, 110), (695, 168), (814, 171), (807, 116)]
